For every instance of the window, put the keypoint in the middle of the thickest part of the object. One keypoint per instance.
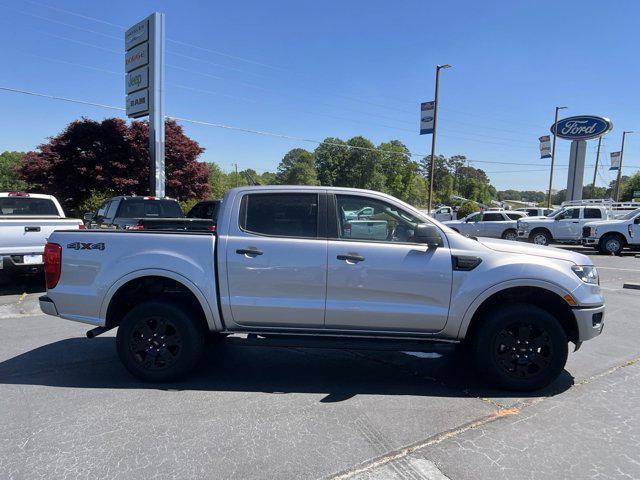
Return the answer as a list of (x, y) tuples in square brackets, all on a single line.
[(492, 217), (280, 214), (571, 213), (140, 208), (103, 209), (208, 210), (592, 213), (111, 209), (514, 216), (474, 218), (532, 212), (21, 206), (386, 222)]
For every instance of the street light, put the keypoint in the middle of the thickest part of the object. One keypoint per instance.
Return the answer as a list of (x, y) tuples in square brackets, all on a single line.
[(617, 196), (553, 154), (433, 136)]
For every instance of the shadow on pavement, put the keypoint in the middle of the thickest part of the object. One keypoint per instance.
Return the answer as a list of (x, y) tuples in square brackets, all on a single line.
[(340, 374), (15, 284)]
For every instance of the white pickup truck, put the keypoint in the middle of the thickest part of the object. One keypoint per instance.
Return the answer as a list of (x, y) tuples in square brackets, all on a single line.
[(562, 226), (26, 221), (612, 236), (282, 268)]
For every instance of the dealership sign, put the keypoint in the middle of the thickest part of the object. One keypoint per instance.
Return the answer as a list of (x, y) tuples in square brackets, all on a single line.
[(582, 127), (427, 110), (545, 146)]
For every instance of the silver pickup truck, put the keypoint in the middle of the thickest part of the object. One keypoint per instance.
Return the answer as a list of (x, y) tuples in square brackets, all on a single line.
[(282, 266)]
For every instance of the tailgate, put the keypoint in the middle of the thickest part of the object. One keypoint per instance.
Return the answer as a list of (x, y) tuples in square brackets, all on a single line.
[(20, 235)]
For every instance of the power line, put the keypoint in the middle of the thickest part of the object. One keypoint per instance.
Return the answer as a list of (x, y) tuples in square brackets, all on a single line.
[(65, 99)]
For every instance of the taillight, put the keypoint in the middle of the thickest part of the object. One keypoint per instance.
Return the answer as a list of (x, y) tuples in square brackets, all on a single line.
[(82, 226), (52, 264), (136, 227), (212, 228)]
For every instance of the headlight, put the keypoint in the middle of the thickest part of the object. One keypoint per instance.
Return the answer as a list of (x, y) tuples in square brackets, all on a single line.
[(524, 224), (594, 231), (587, 273)]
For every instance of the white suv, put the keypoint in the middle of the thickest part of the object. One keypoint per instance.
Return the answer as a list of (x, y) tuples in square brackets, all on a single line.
[(492, 223)]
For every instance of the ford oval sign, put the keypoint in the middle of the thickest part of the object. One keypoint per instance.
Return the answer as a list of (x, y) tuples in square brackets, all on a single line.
[(582, 127)]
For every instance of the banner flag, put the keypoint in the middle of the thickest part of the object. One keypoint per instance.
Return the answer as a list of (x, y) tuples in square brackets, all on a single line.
[(615, 161), (545, 146), (426, 117)]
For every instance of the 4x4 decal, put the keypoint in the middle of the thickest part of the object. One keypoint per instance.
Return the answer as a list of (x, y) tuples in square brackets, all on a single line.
[(85, 246)]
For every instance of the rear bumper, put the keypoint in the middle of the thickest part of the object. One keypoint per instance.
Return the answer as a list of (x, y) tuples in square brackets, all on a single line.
[(15, 263), (47, 306), (590, 322)]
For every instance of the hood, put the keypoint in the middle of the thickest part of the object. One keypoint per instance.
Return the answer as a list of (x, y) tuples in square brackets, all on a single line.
[(509, 246), (597, 223)]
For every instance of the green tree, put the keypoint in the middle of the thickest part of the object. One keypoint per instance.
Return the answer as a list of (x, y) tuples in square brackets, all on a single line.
[(331, 157), (10, 179), (398, 168), (467, 208), (297, 168), (629, 187)]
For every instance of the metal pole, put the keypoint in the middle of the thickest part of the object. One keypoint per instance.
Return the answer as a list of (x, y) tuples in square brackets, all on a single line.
[(553, 155), (237, 179), (432, 168), (595, 171), (619, 178), (156, 115)]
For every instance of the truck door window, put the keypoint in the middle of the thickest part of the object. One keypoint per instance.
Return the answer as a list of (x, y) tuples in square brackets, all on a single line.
[(386, 222), (592, 213), (514, 216), (102, 210), (492, 217), (110, 211), (280, 214)]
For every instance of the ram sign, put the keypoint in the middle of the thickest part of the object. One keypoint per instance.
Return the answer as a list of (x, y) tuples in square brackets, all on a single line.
[(582, 127)]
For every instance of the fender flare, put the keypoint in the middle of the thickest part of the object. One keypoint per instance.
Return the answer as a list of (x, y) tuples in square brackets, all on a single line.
[(210, 312), (523, 282)]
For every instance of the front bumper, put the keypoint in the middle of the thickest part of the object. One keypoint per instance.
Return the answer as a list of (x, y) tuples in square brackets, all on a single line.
[(590, 241), (523, 235), (47, 306), (590, 322)]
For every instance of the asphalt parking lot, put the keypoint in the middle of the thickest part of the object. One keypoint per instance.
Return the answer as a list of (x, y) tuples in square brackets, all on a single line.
[(68, 409)]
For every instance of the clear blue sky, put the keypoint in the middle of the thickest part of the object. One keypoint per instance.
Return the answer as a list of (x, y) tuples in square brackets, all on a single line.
[(341, 68)]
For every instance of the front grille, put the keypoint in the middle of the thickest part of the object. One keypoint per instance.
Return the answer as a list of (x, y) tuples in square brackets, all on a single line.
[(596, 320), (586, 231)]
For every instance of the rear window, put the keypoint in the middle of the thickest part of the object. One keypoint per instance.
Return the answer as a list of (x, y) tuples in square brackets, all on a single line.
[(208, 210), (23, 206), (149, 209), (280, 214), (592, 213)]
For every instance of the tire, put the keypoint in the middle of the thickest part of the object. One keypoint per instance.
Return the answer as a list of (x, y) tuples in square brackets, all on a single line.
[(510, 234), (158, 341), (500, 352), (611, 244), (540, 237)]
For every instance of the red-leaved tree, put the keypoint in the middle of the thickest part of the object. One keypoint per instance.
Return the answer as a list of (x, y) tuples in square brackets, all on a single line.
[(111, 156)]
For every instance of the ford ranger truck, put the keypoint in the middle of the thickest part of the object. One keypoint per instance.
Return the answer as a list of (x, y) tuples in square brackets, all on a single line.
[(281, 266), (612, 236)]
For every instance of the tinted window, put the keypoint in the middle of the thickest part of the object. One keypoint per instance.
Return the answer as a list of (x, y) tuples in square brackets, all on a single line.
[(208, 210), (492, 217), (383, 222), (592, 213), (103, 209), (149, 209), (281, 214), (573, 213), (514, 216), (22, 206), (111, 209), (474, 218), (532, 212)]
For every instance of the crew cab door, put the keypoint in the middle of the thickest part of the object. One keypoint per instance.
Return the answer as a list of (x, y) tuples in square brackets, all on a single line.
[(492, 225), (276, 260), (567, 224), (390, 284)]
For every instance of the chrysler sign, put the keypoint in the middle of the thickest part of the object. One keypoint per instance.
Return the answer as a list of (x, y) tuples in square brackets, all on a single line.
[(582, 127)]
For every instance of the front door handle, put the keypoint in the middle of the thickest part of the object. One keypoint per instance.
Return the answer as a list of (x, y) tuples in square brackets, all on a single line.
[(31, 229), (249, 251), (351, 258)]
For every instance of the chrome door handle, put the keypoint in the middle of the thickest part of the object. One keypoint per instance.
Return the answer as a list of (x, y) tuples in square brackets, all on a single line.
[(351, 258), (31, 229), (249, 251)]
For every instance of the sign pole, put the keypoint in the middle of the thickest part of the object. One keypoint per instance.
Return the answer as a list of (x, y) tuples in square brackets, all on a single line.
[(156, 104), (619, 177), (595, 171), (432, 167), (553, 155)]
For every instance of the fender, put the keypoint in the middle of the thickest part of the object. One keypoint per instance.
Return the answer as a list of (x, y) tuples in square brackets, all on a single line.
[(520, 282), (210, 311)]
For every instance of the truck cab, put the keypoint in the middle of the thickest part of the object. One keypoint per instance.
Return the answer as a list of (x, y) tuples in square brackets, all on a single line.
[(564, 225)]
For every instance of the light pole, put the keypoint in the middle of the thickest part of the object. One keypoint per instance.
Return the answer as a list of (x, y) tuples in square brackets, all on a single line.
[(595, 171), (617, 196), (553, 154), (432, 168)]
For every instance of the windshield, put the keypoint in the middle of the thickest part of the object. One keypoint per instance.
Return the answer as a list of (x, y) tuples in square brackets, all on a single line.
[(23, 206)]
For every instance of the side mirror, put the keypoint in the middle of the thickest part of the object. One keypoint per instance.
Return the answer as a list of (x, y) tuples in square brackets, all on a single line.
[(88, 216), (427, 234)]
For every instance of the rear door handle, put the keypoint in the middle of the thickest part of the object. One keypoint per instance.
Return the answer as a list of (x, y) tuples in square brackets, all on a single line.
[(31, 229), (351, 258), (248, 251)]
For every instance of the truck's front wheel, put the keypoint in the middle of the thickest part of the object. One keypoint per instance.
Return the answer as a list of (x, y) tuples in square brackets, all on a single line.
[(158, 341), (611, 244), (519, 347)]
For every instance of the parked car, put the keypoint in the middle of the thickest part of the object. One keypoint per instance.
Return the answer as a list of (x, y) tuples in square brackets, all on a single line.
[(125, 211), (535, 211), (491, 223), (444, 214), (202, 217), (282, 268), (563, 226), (612, 236), (26, 220)]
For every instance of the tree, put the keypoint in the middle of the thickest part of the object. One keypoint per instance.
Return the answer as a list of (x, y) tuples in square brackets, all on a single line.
[(629, 187), (331, 157), (398, 168), (297, 168), (111, 156), (467, 208), (10, 163)]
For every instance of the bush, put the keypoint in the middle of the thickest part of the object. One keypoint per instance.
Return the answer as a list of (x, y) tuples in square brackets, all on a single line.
[(91, 203), (468, 208), (186, 205)]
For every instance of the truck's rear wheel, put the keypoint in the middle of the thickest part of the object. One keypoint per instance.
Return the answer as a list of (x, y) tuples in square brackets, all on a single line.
[(158, 341), (519, 347), (510, 234), (611, 244)]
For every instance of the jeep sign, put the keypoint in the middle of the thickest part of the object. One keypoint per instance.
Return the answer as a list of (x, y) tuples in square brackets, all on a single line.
[(582, 127)]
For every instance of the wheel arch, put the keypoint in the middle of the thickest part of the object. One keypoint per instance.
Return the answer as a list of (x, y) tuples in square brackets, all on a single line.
[(545, 295), (619, 235), (111, 310), (540, 230)]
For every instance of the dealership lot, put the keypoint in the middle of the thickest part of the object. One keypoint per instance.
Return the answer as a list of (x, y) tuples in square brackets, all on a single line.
[(69, 409)]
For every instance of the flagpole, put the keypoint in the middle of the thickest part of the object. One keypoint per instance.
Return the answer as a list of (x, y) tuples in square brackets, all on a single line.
[(595, 171), (617, 196), (553, 155), (432, 167)]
